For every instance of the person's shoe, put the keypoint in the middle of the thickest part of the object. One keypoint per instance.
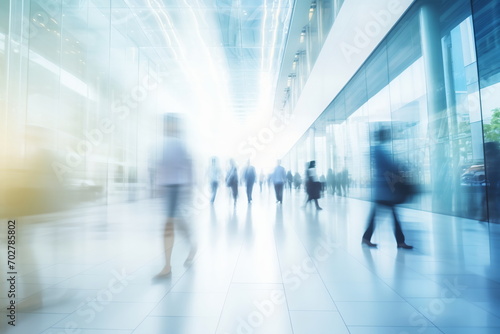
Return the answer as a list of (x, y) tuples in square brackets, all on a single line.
[(368, 243), (404, 246), (190, 257), (166, 272), (319, 208)]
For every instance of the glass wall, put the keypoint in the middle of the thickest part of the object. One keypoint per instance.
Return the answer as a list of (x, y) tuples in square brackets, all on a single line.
[(72, 88), (486, 21), (422, 82)]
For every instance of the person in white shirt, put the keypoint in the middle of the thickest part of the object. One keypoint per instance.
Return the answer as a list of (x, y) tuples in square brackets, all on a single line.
[(214, 176), (174, 176)]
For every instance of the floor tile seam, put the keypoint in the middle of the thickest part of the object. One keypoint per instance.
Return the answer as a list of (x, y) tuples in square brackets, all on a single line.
[(404, 299), (371, 326), (52, 324), (420, 313), (435, 278), (486, 309), (38, 292), (432, 324), (315, 311), (355, 259), (319, 275), (164, 296), (35, 270), (382, 278), (469, 302), (29, 313), (78, 274), (180, 316), (276, 242), (229, 288)]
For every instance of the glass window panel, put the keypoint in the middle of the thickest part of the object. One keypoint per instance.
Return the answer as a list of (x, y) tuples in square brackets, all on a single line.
[(355, 92), (487, 34), (403, 46), (377, 75)]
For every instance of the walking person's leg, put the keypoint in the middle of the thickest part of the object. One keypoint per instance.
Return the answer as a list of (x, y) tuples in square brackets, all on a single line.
[(367, 236), (234, 188), (398, 232), (184, 228), (214, 191), (249, 191), (171, 201), (280, 192)]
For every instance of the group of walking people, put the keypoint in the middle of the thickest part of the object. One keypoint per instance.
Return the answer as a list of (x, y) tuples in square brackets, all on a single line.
[(175, 178), (279, 179), (249, 178)]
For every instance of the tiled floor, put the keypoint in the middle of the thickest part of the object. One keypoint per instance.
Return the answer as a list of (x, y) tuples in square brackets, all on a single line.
[(264, 268)]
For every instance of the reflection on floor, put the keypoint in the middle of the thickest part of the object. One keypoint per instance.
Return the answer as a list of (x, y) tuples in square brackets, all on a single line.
[(260, 268)]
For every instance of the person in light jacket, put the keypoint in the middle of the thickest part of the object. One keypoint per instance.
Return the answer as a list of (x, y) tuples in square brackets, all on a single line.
[(174, 177)]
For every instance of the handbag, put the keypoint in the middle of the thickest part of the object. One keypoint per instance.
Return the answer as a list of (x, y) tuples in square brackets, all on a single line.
[(404, 188), (316, 190)]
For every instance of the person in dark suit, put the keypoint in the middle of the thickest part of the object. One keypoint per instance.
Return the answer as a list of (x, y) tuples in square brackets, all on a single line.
[(249, 176), (313, 186), (297, 180), (232, 180), (384, 185), (279, 178)]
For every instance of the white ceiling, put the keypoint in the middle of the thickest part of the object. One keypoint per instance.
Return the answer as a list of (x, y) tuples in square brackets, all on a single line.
[(222, 57), (227, 50)]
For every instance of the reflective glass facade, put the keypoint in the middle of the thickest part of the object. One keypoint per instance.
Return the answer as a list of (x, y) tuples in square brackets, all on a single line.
[(67, 100), (434, 81), (305, 48), (83, 83)]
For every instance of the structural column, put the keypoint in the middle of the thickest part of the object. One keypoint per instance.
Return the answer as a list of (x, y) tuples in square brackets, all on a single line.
[(455, 170), (441, 180), (312, 144)]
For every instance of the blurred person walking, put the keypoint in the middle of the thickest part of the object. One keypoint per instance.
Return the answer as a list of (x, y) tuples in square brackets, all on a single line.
[(345, 181), (262, 179), (330, 181), (175, 178), (249, 176), (297, 180), (313, 186), (232, 180), (289, 179), (279, 178), (322, 180), (386, 181), (214, 176), (338, 183)]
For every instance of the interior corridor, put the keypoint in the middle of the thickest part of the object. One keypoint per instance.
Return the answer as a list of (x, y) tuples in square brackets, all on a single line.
[(260, 268)]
